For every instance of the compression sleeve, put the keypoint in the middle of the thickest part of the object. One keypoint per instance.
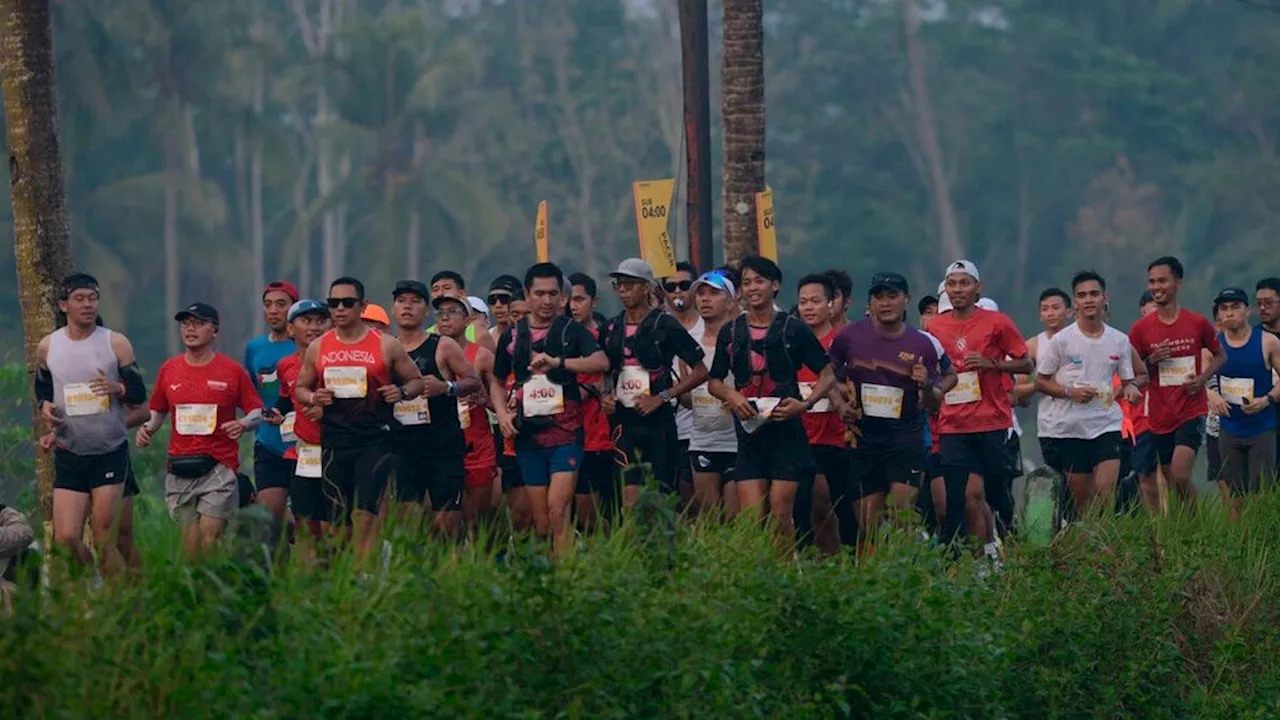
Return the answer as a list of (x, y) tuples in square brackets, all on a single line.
[(44, 385), (135, 388)]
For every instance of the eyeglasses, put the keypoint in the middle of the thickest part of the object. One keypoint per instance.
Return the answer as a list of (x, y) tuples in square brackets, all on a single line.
[(681, 285), (450, 313), (1269, 302), (498, 299), (619, 283), (345, 302)]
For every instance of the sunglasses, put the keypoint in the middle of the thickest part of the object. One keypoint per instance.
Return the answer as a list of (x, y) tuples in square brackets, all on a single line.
[(682, 286), (347, 302), (498, 299)]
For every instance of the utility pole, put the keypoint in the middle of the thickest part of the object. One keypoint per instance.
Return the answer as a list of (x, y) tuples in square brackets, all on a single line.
[(696, 62)]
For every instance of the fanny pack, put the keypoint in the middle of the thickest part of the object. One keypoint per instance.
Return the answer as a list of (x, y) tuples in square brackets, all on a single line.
[(191, 467)]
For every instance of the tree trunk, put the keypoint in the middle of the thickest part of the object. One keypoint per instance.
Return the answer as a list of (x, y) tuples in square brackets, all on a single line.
[(257, 237), (172, 179), (927, 129), (742, 112), (42, 244)]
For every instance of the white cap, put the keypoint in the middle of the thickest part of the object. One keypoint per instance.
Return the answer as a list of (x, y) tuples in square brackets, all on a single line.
[(944, 301), (988, 304), (477, 305), (962, 267)]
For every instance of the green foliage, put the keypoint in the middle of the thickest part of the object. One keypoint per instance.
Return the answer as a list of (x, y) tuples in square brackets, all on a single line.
[(1127, 618)]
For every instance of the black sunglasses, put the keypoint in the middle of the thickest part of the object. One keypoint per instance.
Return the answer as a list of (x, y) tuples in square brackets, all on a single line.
[(498, 299), (347, 302), (682, 285)]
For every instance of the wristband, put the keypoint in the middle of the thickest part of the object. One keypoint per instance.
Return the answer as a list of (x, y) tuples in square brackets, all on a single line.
[(452, 389)]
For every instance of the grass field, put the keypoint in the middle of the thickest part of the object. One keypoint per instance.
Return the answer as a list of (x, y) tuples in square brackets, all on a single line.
[(1135, 617)]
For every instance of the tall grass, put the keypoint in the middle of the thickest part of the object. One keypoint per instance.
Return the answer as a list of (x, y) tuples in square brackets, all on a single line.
[(1136, 617)]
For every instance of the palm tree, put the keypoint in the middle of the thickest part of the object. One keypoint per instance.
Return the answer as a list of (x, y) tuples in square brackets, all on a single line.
[(742, 112)]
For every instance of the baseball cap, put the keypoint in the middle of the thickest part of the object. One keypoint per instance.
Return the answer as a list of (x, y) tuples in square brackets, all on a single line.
[(987, 304), (478, 305), (466, 306), (305, 307), (963, 267), (888, 281), (1231, 295), (715, 280), (374, 312), (413, 287), (78, 281), (944, 300), (199, 311), (634, 268), (283, 286)]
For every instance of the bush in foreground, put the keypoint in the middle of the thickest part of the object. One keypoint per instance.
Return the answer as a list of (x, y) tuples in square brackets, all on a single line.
[(1128, 618)]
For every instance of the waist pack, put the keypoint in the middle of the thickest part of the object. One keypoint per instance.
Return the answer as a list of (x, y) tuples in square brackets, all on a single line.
[(191, 467)]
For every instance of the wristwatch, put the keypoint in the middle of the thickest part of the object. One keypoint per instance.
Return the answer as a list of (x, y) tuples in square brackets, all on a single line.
[(665, 395), (453, 389)]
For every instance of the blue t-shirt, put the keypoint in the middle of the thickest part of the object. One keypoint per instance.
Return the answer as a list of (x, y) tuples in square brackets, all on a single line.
[(261, 356)]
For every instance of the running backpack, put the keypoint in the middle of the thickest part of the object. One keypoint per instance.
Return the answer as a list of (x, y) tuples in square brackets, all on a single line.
[(776, 349), (522, 355), (648, 353)]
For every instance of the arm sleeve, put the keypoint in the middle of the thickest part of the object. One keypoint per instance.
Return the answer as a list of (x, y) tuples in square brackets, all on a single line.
[(720, 365), (683, 345)]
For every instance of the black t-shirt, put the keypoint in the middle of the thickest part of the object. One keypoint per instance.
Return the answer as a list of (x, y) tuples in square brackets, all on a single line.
[(564, 338), (798, 347), (652, 344)]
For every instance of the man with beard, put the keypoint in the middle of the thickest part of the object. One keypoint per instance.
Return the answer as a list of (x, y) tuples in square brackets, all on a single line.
[(272, 472)]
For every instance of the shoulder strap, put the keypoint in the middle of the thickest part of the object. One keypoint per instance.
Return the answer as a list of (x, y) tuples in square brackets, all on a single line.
[(522, 350)]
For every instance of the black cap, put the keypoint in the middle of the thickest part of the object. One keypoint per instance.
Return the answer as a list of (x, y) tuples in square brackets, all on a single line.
[(78, 281), (888, 281), (199, 311), (1146, 298), (508, 284), (413, 287), (466, 306), (1231, 295)]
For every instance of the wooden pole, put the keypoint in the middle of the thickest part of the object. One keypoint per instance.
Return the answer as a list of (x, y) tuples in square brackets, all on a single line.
[(696, 62)]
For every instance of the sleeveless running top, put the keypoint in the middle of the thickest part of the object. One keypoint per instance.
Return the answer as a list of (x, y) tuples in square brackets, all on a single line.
[(443, 433), (481, 450), (1245, 374), (354, 371), (94, 425)]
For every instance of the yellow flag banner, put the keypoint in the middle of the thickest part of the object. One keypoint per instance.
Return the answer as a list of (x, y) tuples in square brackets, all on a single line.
[(653, 200), (540, 234), (765, 229)]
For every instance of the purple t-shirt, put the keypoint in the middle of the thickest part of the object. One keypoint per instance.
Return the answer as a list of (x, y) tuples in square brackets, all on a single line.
[(880, 368)]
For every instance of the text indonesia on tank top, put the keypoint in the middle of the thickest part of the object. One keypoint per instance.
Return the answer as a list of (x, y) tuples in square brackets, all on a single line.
[(354, 371), (1245, 374), (94, 425)]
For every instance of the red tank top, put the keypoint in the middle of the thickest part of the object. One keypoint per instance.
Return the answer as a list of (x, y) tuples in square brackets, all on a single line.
[(823, 428), (303, 427), (595, 424), (481, 452), (354, 371)]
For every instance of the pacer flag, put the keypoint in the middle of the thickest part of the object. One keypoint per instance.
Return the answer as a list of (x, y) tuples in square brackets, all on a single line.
[(540, 233), (653, 199), (765, 230)]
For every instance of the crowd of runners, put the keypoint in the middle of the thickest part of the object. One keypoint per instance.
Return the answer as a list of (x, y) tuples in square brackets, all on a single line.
[(829, 420)]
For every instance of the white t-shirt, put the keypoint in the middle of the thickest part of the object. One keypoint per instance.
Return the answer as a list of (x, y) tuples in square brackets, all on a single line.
[(711, 422), (1042, 344), (684, 416), (1074, 359)]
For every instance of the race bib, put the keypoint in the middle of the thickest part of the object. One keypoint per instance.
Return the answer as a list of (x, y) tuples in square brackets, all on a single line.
[(1176, 371), (1236, 390), (196, 419), (882, 401), (764, 406), (633, 382), (1106, 393), (705, 404), (542, 397), (308, 461), (464, 415), (286, 427), (347, 382), (806, 392), (965, 391), (412, 412), (80, 400)]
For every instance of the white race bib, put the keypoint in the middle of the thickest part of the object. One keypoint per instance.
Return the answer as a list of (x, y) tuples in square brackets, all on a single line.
[(764, 407), (1106, 393), (542, 397), (464, 415), (347, 382), (966, 390), (286, 427), (1236, 390), (806, 392), (412, 412), (1176, 371), (308, 461), (633, 382), (80, 400), (882, 401), (196, 419), (705, 404)]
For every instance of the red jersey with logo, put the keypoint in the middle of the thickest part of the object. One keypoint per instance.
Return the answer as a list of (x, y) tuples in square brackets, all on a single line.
[(1168, 403), (306, 429), (481, 451), (595, 424), (200, 399), (993, 335), (354, 371), (823, 428)]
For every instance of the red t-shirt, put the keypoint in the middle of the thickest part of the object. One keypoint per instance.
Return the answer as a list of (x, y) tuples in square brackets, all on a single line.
[(823, 428), (304, 428), (1169, 406), (991, 334), (199, 400), (595, 424)]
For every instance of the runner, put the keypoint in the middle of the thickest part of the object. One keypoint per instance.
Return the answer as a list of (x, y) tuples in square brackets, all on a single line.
[(1055, 314), (300, 425), (202, 389), (1079, 421), (844, 297), (1267, 296), (375, 318), (448, 282), (680, 303), (1245, 395), (896, 373), (272, 472), (713, 441), (85, 376), (764, 350), (595, 478), (545, 353), (1169, 342), (816, 503), (357, 376), (928, 308), (642, 344), (977, 414), (1142, 457), (503, 291)]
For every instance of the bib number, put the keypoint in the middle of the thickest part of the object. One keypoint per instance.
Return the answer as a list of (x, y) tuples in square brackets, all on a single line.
[(705, 404), (464, 415), (542, 397), (966, 390), (412, 412), (80, 400), (806, 392), (633, 382), (882, 401), (1236, 390), (1106, 394), (347, 382), (308, 461), (1176, 371), (196, 419), (764, 407), (286, 427)]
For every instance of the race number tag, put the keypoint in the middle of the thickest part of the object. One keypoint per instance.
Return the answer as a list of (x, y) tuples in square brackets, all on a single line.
[(347, 382), (412, 412), (1176, 371), (633, 382), (195, 419), (286, 427), (464, 415), (764, 407), (1106, 395), (705, 405), (542, 397), (80, 400), (1236, 391), (882, 401), (308, 461), (806, 392), (965, 391)]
